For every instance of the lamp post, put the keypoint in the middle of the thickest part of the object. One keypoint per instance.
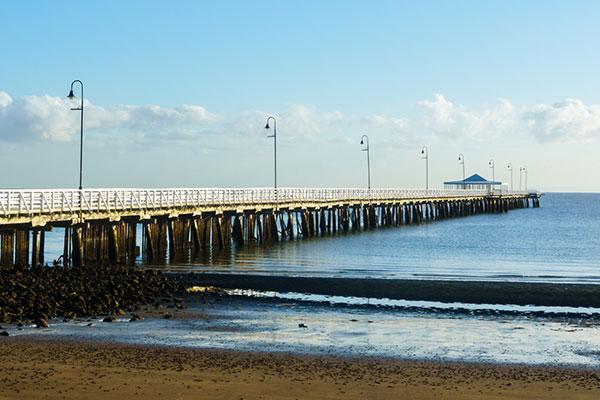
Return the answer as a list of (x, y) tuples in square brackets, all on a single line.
[(80, 108), (492, 165), (425, 156), (521, 170), (274, 136), (525, 173), (461, 160), (365, 140), (510, 169)]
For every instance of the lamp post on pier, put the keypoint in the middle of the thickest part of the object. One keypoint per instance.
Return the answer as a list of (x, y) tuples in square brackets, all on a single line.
[(522, 170), (461, 160), (510, 169), (80, 108), (492, 165), (425, 156), (364, 140), (274, 136)]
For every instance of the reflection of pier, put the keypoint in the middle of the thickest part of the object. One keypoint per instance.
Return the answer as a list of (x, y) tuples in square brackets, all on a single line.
[(101, 224)]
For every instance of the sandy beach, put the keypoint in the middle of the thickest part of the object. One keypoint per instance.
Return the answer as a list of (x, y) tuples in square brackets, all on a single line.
[(46, 369)]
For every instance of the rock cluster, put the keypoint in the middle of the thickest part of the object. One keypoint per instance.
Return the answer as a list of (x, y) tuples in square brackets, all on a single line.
[(38, 293)]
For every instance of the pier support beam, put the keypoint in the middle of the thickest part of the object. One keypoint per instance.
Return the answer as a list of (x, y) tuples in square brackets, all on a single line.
[(22, 247), (7, 251), (77, 243), (37, 247)]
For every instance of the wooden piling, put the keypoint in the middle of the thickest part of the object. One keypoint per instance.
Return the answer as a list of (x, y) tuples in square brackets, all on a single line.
[(273, 226), (77, 241), (37, 247), (22, 247), (290, 224), (7, 242), (217, 235), (238, 233), (113, 242), (304, 223), (131, 238), (250, 232)]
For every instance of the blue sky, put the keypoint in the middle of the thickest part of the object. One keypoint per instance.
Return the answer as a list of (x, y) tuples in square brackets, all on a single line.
[(178, 91)]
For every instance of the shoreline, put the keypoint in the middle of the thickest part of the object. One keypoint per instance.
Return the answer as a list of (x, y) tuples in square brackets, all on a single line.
[(48, 368), (446, 291)]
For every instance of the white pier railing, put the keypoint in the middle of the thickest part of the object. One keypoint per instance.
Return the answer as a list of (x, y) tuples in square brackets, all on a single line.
[(43, 202)]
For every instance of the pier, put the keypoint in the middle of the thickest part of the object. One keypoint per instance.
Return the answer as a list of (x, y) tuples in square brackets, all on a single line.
[(101, 225)]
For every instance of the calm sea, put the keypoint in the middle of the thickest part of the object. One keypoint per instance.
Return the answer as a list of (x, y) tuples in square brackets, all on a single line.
[(558, 242)]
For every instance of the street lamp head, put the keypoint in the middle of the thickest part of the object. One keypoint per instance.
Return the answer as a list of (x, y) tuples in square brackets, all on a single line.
[(364, 139), (71, 95), (267, 125)]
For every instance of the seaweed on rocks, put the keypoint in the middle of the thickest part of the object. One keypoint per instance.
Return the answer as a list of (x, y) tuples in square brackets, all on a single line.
[(41, 293)]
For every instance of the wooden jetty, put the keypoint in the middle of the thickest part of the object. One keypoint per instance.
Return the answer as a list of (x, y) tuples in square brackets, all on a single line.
[(101, 225)]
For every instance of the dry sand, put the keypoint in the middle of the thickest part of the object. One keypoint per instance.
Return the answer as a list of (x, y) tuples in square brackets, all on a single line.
[(47, 369)]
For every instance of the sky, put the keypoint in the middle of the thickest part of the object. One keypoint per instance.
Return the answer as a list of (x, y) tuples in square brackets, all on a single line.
[(177, 93)]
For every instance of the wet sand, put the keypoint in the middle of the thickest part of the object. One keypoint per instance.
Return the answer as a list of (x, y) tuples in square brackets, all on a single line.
[(477, 292), (45, 369)]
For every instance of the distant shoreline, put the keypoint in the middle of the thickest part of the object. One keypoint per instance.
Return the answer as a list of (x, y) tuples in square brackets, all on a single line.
[(475, 292)]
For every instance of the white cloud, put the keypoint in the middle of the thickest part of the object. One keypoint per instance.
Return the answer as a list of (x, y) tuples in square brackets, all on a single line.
[(5, 100), (47, 118), (568, 121), (51, 118), (441, 115), (445, 118), (34, 117)]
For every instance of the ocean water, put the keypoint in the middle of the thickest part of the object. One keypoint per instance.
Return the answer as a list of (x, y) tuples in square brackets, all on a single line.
[(558, 242)]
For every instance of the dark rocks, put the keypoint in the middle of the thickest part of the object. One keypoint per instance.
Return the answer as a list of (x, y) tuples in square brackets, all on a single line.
[(4, 333), (108, 319), (41, 323), (168, 316), (28, 294), (136, 317), (70, 315), (302, 325)]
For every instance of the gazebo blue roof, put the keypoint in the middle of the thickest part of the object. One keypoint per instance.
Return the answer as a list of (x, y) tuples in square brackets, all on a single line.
[(474, 179)]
